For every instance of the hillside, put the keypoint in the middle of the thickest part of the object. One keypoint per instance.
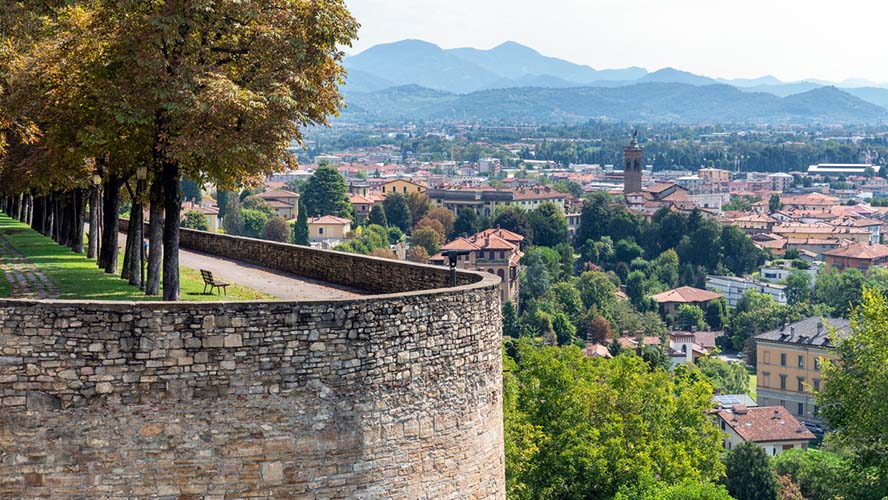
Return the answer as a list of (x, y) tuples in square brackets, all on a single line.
[(645, 102)]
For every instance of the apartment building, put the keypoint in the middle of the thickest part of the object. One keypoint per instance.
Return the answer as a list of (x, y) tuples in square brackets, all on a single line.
[(788, 364)]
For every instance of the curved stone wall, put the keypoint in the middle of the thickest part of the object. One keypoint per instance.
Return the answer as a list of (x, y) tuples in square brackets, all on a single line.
[(390, 396)]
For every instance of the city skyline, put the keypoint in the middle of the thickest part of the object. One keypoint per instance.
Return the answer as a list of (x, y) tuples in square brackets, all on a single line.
[(719, 39)]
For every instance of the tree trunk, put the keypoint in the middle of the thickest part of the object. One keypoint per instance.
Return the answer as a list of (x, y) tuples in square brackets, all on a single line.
[(26, 204), (132, 242), (135, 273), (79, 219), (37, 215), (93, 237), (68, 215), (172, 208), (110, 224), (155, 237)]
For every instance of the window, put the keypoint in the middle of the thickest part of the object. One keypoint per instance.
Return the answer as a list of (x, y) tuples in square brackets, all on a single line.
[(723, 425), (801, 409), (801, 384), (766, 379), (405, 189), (782, 359), (783, 382), (817, 364), (767, 357), (383, 189), (502, 254), (320, 230), (801, 361), (817, 384)]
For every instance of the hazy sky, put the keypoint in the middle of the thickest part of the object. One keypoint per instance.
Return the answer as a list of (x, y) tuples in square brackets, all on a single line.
[(790, 39)]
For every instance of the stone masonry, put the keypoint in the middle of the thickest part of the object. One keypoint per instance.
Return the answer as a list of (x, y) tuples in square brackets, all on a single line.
[(389, 396)]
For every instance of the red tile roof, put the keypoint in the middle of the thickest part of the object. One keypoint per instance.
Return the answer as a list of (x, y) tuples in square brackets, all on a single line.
[(328, 219), (860, 251), (764, 424), (686, 294)]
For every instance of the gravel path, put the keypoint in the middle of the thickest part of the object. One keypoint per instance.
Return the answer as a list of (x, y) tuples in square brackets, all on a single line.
[(25, 279), (281, 285)]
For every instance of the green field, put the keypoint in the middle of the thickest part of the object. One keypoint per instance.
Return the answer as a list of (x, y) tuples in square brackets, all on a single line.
[(78, 277)]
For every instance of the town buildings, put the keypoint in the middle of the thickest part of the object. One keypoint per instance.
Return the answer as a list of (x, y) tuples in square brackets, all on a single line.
[(671, 300), (733, 288), (496, 251), (328, 230), (857, 256), (789, 360)]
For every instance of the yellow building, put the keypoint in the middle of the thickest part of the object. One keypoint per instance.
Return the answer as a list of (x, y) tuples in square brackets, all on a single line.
[(714, 175), (328, 228), (788, 364), (401, 186), (798, 230)]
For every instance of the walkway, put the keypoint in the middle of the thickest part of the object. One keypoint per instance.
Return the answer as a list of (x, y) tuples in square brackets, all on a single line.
[(282, 285), (25, 279)]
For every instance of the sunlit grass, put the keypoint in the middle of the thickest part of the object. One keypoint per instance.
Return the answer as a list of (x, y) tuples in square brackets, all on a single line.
[(78, 277)]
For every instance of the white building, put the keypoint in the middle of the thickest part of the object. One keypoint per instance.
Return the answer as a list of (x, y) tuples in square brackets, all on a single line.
[(734, 288), (778, 270)]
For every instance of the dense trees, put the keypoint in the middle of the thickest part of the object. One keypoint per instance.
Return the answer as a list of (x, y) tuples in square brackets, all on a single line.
[(174, 87), (300, 229), (749, 475), (578, 428)]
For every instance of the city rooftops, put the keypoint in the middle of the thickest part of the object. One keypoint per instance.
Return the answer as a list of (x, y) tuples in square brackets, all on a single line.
[(686, 294), (839, 168), (866, 251)]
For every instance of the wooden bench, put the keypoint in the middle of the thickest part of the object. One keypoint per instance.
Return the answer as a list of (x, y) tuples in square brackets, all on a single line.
[(211, 283)]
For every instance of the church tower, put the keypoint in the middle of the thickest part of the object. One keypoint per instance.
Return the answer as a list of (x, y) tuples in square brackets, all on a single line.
[(633, 159)]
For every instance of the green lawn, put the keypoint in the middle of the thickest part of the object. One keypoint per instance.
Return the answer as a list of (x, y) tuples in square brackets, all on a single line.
[(78, 277), (752, 385)]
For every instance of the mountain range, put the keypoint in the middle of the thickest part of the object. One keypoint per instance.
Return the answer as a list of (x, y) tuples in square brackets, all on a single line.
[(413, 79)]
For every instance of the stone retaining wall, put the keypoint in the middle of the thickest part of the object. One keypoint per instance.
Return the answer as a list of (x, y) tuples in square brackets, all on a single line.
[(361, 272), (390, 396)]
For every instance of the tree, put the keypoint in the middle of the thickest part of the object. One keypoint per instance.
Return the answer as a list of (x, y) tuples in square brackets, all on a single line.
[(826, 475), (586, 428), (191, 190), (397, 212), (717, 314), (689, 317), (432, 224), (300, 229), (516, 220), (195, 220), (211, 95), (377, 216), (798, 287), (774, 203), (749, 475), (739, 254), (444, 216), (466, 223), (594, 217), (850, 383), (326, 193), (731, 378), (788, 490), (549, 225), (223, 199), (841, 291), (418, 254), (277, 229), (565, 331), (254, 223), (596, 290), (233, 223), (427, 238), (511, 324), (599, 330), (418, 204)]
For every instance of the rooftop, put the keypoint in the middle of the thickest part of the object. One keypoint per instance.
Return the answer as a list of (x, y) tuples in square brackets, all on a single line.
[(809, 331), (764, 424), (686, 294)]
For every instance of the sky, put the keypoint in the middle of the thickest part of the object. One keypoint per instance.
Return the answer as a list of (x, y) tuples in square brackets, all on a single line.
[(790, 39)]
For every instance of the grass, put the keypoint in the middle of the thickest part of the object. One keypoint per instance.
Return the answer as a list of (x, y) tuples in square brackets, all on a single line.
[(78, 277), (752, 383)]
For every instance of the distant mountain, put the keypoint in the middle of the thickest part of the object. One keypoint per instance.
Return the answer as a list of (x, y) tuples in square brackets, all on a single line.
[(645, 102), (751, 82), (515, 61), (875, 95), (512, 65), (672, 75), (422, 63)]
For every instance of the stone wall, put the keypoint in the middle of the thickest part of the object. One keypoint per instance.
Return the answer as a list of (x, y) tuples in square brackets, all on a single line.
[(361, 272), (390, 396)]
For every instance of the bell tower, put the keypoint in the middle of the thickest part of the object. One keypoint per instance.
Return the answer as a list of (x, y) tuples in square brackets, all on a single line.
[(633, 159)]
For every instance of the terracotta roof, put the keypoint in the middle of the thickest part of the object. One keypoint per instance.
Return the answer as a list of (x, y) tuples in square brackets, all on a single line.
[(860, 251), (659, 187), (686, 294), (765, 424), (356, 199), (328, 219), (597, 351), (460, 244), (504, 234), (278, 193)]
